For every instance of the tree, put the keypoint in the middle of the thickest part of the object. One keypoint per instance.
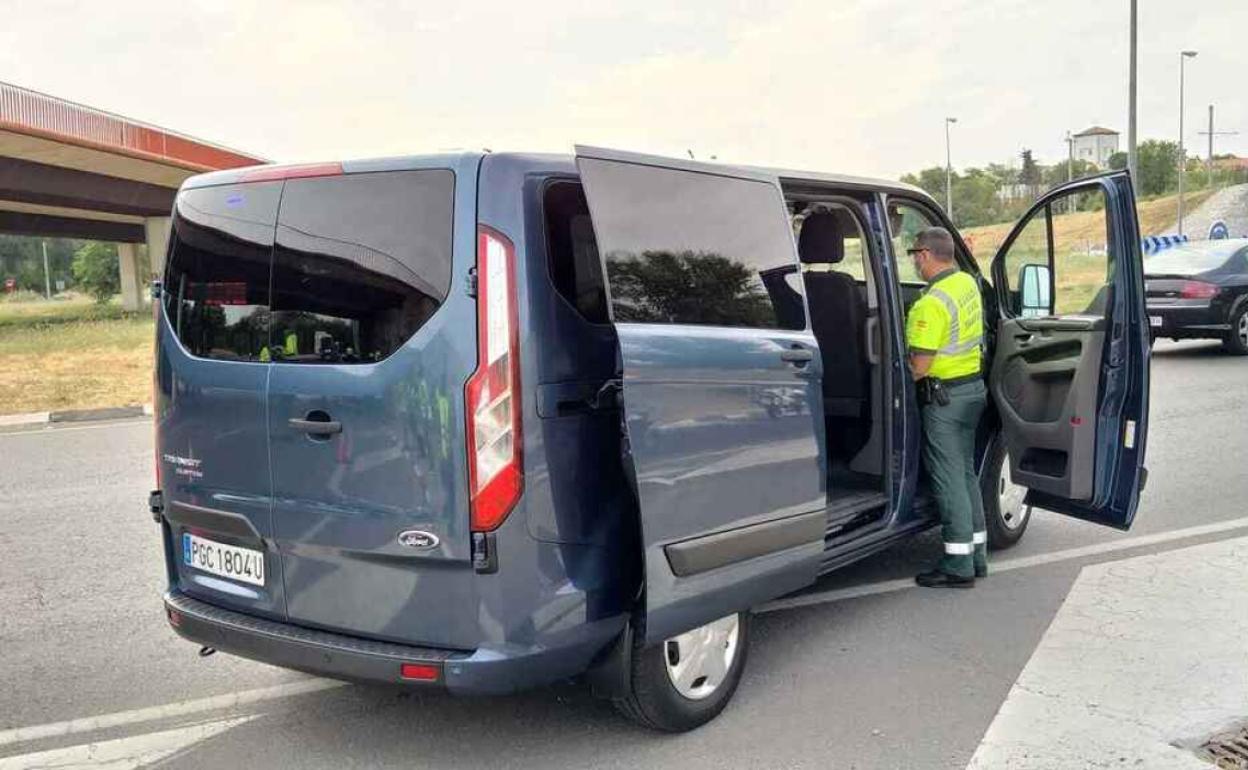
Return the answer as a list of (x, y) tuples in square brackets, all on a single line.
[(1118, 161), (1030, 174), (97, 270), (1158, 167)]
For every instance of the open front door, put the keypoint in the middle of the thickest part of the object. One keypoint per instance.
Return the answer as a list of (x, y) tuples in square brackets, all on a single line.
[(721, 401), (1070, 371)]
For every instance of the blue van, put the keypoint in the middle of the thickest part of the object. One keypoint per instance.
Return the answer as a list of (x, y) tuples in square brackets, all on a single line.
[(481, 422)]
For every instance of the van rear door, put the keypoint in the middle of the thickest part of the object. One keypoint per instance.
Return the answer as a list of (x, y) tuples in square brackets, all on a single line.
[(373, 340), (722, 403), (211, 424)]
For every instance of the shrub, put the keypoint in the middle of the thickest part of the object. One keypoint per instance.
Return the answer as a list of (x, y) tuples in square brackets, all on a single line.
[(97, 270)]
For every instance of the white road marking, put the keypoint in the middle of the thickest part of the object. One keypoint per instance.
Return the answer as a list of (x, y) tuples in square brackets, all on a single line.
[(179, 709), (123, 753), (1006, 565), (1145, 657)]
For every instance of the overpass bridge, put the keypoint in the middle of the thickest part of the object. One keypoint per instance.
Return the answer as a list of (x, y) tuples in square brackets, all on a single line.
[(72, 171)]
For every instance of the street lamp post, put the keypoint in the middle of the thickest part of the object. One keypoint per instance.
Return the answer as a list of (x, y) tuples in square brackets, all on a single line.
[(1132, 159), (1183, 57), (948, 171)]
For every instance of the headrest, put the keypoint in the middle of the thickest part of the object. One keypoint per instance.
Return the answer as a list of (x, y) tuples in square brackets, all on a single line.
[(820, 240)]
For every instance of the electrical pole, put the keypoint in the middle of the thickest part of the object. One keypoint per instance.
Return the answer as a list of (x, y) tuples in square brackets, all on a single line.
[(1132, 158), (47, 276), (1183, 57), (948, 171), (1211, 133), (1070, 158)]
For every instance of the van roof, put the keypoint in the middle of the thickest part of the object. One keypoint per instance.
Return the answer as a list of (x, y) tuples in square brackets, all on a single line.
[(561, 161)]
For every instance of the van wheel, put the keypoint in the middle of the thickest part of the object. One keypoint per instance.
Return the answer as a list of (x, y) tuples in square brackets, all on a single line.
[(1006, 515), (687, 680)]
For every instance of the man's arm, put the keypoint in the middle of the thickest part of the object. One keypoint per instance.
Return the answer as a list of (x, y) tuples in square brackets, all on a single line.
[(925, 327), (920, 363)]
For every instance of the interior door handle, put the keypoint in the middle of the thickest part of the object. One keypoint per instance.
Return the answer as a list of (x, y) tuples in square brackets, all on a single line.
[(798, 356), (873, 340), (316, 427)]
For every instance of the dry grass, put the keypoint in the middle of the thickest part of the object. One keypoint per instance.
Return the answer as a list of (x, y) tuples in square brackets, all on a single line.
[(50, 360), (1155, 217)]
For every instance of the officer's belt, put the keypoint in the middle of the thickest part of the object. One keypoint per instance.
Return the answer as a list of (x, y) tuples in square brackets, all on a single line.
[(954, 382)]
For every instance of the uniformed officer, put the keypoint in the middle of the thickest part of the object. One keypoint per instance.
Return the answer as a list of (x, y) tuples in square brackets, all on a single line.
[(945, 332)]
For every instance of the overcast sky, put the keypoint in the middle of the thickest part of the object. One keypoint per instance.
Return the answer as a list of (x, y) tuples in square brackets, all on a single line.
[(855, 86)]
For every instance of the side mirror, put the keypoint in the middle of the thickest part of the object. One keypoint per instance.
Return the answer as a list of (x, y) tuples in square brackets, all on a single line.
[(1034, 298)]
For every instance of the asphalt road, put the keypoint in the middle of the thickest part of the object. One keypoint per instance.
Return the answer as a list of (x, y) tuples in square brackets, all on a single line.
[(901, 678)]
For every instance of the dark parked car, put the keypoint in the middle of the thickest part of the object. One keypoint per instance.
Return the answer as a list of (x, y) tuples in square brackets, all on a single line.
[(1200, 291), (481, 422)]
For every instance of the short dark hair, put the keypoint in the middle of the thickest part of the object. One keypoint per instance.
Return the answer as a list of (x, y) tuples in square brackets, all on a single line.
[(938, 241)]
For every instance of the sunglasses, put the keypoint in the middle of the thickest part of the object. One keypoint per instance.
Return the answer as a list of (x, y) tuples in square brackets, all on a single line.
[(916, 250)]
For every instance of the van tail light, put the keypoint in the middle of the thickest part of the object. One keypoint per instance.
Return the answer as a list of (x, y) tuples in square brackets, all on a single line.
[(492, 395), (1197, 290)]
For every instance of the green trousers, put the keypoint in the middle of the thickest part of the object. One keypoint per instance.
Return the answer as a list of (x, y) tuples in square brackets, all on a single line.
[(949, 454)]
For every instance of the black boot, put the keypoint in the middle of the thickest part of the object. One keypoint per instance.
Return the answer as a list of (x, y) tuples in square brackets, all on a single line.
[(939, 579)]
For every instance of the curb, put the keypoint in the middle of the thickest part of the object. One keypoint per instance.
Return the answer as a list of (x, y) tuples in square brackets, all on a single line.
[(74, 415)]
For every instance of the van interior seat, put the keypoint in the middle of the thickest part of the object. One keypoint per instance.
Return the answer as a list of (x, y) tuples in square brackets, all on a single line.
[(838, 314)]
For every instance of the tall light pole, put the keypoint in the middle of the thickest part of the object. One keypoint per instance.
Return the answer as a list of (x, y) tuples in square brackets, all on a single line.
[(1211, 133), (948, 171), (1133, 166), (1183, 57)]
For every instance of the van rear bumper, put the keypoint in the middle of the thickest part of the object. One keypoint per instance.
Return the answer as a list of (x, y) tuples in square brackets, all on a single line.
[(480, 672)]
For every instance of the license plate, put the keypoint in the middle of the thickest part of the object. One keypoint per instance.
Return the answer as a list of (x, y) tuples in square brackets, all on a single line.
[(1154, 321), (228, 561)]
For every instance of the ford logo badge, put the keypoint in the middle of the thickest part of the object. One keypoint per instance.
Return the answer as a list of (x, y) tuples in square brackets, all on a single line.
[(414, 538)]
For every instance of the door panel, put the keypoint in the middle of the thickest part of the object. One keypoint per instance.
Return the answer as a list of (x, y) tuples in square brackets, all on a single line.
[(211, 385), (368, 342), (721, 405), (1070, 368), (1047, 379)]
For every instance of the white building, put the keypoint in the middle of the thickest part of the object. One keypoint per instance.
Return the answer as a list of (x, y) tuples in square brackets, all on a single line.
[(1095, 145)]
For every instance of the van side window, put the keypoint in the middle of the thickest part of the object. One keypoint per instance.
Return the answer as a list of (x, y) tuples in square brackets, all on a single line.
[(701, 261), (216, 289), (360, 263), (572, 252)]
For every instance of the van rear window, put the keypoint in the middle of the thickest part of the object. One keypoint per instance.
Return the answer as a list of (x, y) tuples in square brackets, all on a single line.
[(360, 263), (216, 289), (340, 269)]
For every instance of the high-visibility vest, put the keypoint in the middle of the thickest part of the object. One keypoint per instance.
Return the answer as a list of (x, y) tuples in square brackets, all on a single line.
[(948, 321)]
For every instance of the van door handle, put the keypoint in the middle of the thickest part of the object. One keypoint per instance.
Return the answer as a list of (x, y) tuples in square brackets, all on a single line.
[(316, 427), (798, 356)]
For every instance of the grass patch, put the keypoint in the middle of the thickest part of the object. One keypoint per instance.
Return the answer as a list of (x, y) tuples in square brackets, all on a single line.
[(73, 354), (18, 314)]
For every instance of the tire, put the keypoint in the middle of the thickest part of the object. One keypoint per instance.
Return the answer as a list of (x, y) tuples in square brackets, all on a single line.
[(656, 702), (1006, 516), (1236, 340)]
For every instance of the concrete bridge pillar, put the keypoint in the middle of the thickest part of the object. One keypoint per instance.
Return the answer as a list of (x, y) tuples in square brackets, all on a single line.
[(132, 282), (157, 243)]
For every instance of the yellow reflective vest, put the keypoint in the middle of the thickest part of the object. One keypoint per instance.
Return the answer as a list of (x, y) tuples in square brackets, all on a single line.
[(948, 320)]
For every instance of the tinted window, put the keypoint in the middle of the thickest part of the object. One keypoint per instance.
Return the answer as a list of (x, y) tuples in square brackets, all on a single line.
[(688, 248), (360, 263), (217, 283), (572, 251)]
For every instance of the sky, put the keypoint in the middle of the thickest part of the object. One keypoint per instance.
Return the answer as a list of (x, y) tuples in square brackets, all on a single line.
[(847, 86)]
